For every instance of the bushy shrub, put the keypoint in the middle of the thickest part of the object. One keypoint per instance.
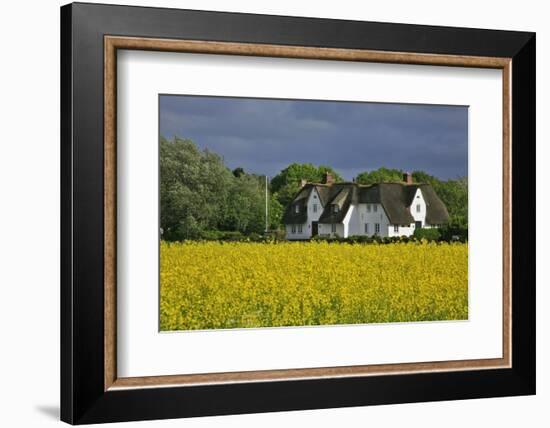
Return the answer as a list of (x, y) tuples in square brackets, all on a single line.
[(446, 234), (362, 239), (279, 234), (455, 230), (236, 236), (429, 234), (232, 236), (211, 235)]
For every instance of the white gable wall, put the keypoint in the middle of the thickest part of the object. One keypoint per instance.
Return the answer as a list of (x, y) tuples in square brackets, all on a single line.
[(351, 221), (314, 199), (419, 201), (312, 216)]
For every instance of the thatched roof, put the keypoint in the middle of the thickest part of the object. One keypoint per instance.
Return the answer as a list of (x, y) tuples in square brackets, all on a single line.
[(300, 200), (437, 211), (340, 195), (395, 198)]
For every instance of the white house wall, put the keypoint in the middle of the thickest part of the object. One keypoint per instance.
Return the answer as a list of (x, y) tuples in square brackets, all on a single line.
[(325, 229), (403, 231), (372, 218), (296, 235)]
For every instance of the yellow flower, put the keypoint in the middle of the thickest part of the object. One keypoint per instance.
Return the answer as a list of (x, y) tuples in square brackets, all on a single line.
[(211, 285)]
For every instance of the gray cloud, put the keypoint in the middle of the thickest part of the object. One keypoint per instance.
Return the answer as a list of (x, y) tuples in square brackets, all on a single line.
[(265, 135)]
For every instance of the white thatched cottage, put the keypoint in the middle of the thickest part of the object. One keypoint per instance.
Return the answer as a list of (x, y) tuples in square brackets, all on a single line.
[(346, 209)]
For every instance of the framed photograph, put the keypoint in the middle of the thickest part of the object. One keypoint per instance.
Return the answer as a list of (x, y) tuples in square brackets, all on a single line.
[(266, 213)]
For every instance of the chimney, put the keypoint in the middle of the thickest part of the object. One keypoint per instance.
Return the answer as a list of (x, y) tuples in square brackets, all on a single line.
[(408, 178), (327, 179), (303, 182)]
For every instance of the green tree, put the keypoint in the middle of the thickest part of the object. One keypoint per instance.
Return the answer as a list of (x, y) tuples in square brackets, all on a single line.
[(193, 187), (237, 172), (454, 193), (276, 211), (424, 177), (245, 205), (200, 196), (380, 175), (287, 182)]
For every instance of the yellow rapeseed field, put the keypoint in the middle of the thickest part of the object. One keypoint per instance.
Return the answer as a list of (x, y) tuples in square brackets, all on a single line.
[(214, 285)]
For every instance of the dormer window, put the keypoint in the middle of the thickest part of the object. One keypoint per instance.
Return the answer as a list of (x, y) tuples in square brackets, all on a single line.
[(335, 208), (297, 209)]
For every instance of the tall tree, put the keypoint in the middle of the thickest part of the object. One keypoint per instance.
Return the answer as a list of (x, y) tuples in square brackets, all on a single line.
[(237, 172), (200, 195), (287, 182), (193, 187), (380, 175), (245, 205), (276, 211)]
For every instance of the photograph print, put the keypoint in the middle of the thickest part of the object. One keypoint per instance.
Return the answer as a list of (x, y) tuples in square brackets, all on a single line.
[(292, 213)]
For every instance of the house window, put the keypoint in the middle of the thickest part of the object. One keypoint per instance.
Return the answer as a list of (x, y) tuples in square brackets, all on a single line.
[(293, 228), (396, 229), (297, 209), (335, 208), (375, 208), (314, 208), (417, 208), (299, 228), (368, 208), (314, 196), (376, 227), (333, 227), (366, 228)]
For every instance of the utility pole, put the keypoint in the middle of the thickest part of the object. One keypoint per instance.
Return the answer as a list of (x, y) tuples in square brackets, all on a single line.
[(266, 214)]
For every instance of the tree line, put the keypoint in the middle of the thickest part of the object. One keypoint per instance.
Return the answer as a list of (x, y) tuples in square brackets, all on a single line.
[(200, 197)]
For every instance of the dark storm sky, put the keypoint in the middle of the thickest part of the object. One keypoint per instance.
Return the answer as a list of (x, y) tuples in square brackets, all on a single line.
[(265, 135)]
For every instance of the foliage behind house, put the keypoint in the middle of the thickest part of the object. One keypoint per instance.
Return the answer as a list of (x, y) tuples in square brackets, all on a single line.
[(285, 184)]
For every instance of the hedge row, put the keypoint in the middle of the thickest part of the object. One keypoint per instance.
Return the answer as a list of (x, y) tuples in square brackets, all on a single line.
[(386, 240), (420, 235)]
